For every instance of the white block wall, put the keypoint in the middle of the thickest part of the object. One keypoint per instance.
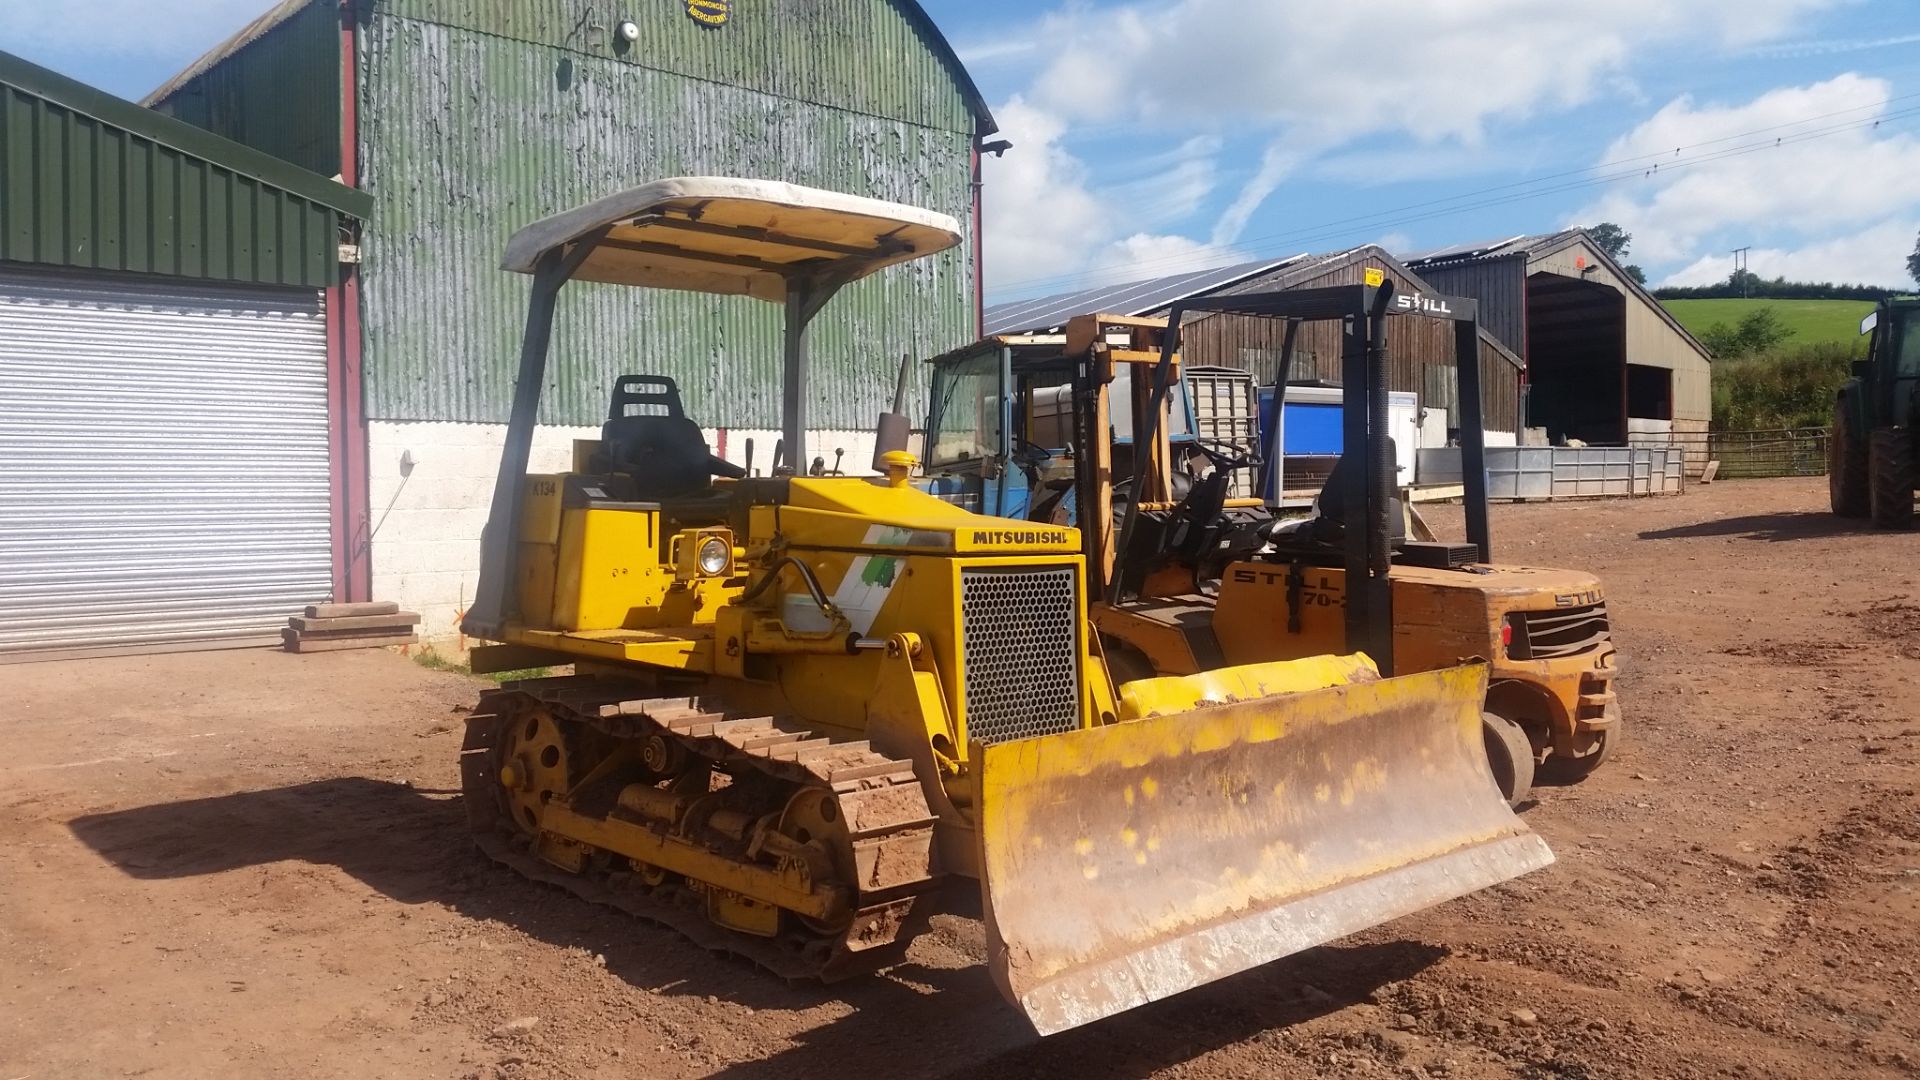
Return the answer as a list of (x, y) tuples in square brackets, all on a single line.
[(427, 520)]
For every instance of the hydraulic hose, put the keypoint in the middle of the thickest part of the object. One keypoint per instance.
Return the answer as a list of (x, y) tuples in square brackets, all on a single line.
[(814, 590)]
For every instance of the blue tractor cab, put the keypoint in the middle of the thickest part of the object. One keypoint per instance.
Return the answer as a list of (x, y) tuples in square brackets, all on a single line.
[(1001, 438)]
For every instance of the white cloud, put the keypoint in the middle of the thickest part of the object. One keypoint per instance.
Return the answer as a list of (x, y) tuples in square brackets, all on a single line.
[(1171, 186), (1278, 162), (1413, 164), (1037, 208), (1143, 255), (1307, 78), (992, 52), (1433, 70), (1872, 256), (124, 27), (1829, 48), (1051, 228), (1795, 196)]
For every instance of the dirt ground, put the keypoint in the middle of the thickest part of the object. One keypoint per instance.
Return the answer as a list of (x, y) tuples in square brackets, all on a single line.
[(247, 864)]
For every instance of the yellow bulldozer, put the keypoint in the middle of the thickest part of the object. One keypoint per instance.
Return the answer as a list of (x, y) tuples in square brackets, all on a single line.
[(1200, 572), (802, 708)]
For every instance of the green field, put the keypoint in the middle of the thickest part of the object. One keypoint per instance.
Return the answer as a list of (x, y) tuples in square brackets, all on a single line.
[(1810, 320)]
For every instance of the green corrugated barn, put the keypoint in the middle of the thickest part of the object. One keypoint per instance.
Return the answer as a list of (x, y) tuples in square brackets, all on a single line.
[(466, 119)]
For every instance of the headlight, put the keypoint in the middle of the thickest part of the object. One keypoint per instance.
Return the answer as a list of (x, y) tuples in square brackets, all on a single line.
[(715, 554)]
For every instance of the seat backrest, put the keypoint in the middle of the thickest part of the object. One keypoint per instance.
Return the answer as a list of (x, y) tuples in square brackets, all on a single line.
[(1347, 475), (645, 395), (649, 437)]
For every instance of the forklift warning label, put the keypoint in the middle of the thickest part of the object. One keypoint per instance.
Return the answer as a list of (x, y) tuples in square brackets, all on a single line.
[(1018, 537)]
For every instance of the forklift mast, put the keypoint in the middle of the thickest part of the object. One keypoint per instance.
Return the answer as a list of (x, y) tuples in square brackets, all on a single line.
[(1365, 508)]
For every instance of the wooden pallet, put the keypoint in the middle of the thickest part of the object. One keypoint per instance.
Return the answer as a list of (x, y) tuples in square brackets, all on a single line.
[(333, 627)]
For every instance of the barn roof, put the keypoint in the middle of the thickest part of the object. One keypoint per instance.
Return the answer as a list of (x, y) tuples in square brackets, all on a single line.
[(1050, 313), (287, 9), (1540, 245)]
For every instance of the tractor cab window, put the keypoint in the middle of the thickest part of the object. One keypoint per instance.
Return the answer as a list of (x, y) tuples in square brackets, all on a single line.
[(1120, 391), (964, 423), (1906, 358)]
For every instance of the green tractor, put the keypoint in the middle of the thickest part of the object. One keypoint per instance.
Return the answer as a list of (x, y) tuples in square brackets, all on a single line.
[(1871, 465)]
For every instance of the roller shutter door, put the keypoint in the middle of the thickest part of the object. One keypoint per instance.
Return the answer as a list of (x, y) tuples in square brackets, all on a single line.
[(163, 463)]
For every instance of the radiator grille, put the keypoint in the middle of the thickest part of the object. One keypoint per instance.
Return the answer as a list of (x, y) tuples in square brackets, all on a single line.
[(1021, 646), (1550, 635)]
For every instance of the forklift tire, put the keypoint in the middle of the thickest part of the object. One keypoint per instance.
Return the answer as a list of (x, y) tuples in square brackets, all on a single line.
[(1510, 754), (1572, 770), (1846, 468), (1891, 476)]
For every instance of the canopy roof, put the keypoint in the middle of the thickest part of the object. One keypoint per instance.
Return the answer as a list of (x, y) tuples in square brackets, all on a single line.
[(734, 237)]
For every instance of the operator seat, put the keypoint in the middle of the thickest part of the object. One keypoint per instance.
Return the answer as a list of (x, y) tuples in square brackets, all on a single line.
[(655, 445), (1327, 527)]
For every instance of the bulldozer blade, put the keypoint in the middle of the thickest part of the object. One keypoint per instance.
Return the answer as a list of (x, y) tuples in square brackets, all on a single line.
[(1127, 863)]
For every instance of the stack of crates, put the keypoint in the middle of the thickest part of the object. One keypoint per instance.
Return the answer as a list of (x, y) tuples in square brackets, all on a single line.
[(1226, 419)]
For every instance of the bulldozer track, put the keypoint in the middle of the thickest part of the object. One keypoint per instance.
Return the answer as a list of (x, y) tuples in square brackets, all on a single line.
[(884, 806)]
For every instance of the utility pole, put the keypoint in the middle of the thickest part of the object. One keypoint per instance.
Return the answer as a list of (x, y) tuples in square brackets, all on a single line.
[(1740, 268)]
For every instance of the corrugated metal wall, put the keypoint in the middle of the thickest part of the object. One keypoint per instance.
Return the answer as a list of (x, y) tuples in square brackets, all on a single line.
[(1651, 339), (279, 94), (863, 56), (1414, 345), (163, 461), (466, 136), (75, 191), (1499, 285)]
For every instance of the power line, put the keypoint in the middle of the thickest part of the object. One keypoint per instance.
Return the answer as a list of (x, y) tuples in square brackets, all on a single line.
[(1467, 200)]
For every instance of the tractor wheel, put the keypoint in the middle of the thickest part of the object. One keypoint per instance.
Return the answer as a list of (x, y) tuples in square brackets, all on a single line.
[(1846, 468), (1510, 753), (1891, 476)]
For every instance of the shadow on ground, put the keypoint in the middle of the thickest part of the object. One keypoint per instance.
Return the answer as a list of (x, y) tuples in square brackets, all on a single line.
[(1772, 528), (917, 1021)]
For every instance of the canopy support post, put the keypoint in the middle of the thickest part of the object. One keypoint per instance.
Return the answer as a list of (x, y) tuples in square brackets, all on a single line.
[(488, 615), (805, 297)]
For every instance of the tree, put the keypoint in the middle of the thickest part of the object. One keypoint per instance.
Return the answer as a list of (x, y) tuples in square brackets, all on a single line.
[(1615, 241), (1759, 331), (1611, 239), (1913, 260)]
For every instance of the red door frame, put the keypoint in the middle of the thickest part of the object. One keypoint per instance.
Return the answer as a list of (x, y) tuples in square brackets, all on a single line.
[(346, 403)]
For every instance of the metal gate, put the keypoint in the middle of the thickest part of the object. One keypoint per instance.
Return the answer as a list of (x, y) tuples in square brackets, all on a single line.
[(163, 463)]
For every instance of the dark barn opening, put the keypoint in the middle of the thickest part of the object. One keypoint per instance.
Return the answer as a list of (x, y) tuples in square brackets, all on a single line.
[(1577, 359), (1649, 392)]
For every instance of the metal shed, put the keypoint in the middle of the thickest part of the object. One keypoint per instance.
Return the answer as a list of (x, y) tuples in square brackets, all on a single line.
[(466, 119), (1607, 364), (165, 378), (1420, 351)]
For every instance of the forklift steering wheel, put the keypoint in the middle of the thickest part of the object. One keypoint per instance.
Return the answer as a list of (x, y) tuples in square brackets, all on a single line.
[(1031, 454)]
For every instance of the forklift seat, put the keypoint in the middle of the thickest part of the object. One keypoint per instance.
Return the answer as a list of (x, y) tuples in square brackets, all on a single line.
[(1328, 526), (649, 438)]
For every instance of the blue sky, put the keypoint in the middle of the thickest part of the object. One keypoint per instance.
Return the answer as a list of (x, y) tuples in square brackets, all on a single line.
[(1164, 135)]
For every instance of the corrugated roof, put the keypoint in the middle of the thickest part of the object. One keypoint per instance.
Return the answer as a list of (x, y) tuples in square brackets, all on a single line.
[(244, 37), (1312, 268), (78, 97), (95, 182), (1524, 244), (1543, 244), (286, 9), (1158, 295), (1465, 251), (1133, 298)]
